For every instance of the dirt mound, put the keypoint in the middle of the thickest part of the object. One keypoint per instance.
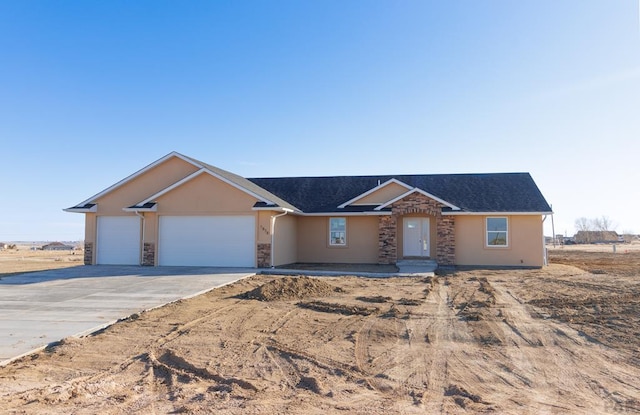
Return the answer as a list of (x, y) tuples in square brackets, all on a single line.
[(291, 288)]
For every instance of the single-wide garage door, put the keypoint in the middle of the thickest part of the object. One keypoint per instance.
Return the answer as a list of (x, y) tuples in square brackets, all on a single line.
[(225, 241), (118, 241)]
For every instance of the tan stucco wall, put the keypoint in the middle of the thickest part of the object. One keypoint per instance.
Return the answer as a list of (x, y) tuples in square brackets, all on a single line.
[(206, 195), (90, 232), (525, 242), (152, 181), (362, 241), (264, 226), (150, 227), (382, 195), (286, 249)]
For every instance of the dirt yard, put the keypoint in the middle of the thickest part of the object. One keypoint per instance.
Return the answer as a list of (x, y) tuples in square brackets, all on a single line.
[(561, 340), (23, 259)]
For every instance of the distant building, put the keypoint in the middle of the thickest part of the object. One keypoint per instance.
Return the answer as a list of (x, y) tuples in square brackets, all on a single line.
[(597, 237), (57, 246)]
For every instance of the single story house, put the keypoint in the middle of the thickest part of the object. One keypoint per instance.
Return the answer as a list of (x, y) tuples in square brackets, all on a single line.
[(56, 246), (597, 237), (181, 211)]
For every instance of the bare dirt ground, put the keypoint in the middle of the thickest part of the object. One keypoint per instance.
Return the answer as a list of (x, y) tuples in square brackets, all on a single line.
[(563, 339), (25, 260)]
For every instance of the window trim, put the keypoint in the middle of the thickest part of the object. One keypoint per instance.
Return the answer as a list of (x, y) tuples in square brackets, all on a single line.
[(344, 243), (487, 231)]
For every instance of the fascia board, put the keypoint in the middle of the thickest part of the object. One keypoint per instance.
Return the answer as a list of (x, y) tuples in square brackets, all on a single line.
[(277, 209), (422, 192), (133, 209), (372, 190), (138, 173), (196, 174), (92, 209), (369, 213), (495, 213)]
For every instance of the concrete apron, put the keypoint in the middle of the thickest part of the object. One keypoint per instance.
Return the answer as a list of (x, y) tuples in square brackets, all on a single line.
[(39, 309)]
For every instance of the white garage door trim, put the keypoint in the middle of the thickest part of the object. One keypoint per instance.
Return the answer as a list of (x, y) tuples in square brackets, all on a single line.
[(223, 241), (118, 240)]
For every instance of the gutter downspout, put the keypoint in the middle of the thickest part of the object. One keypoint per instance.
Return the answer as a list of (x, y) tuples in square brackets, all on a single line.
[(545, 258), (141, 216), (273, 230)]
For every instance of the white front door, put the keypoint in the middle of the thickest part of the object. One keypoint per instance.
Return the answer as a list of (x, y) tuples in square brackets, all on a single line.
[(416, 237)]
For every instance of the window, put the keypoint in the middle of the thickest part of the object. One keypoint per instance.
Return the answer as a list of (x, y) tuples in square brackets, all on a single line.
[(497, 232), (337, 231)]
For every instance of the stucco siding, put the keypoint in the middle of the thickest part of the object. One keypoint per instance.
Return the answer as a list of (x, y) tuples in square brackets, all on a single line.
[(362, 241), (524, 247), (143, 186), (382, 195), (90, 232), (208, 195), (285, 249)]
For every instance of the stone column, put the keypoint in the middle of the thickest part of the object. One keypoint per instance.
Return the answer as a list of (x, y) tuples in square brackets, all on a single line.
[(264, 255), (446, 251), (88, 253), (387, 240), (149, 254)]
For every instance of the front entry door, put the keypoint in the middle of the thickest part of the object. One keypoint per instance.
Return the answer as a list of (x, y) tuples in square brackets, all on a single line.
[(416, 237)]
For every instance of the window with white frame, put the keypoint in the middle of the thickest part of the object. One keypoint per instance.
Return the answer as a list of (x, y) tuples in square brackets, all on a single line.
[(497, 232), (337, 231)]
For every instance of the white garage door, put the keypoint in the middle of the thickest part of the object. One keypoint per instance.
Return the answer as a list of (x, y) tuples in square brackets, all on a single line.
[(226, 241), (118, 240)]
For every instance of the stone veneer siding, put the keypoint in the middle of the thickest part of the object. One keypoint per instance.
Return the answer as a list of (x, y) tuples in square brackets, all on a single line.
[(387, 240), (149, 254), (264, 255), (416, 203), (88, 253), (446, 247)]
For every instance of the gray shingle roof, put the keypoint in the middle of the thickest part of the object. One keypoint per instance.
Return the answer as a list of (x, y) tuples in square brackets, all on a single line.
[(489, 192)]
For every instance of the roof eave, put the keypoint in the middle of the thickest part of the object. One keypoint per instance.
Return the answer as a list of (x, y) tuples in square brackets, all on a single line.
[(195, 174), (81, 209), (366, 213), (153, 208), (495, 212)]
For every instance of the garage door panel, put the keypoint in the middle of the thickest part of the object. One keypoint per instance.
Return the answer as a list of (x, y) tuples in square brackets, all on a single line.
[(207, 241), (118, 240)]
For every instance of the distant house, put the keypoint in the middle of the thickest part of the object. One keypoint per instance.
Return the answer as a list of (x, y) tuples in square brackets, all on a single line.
[(597, 237), (57, 246)]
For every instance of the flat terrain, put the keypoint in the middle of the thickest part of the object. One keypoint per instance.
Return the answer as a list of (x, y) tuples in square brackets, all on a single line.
[(563, 339), (25, 260)]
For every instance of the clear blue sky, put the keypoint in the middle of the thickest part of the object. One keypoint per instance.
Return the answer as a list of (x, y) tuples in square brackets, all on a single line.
[(91, 91)]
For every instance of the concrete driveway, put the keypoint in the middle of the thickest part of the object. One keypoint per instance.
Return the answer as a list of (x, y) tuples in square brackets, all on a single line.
[(40, 308)]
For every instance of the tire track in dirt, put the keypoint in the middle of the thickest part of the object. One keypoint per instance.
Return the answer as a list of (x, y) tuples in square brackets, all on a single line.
[(439, 335), (555, 367)]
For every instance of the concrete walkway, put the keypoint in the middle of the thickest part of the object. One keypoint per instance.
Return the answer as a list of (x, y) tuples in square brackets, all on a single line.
[(40, 308)]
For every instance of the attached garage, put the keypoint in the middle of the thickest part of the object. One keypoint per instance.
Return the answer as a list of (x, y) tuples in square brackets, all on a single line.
[(118, 241), (226, 241)]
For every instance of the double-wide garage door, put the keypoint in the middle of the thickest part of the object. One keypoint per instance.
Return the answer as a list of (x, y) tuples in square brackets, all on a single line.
[(227, 241)]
